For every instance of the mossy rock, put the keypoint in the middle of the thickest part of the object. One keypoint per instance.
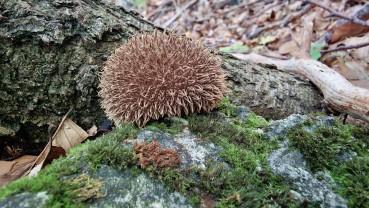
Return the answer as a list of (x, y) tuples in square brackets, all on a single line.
[(230, 169)]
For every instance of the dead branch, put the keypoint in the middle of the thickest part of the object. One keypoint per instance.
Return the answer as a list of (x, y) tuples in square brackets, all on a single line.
[(339, 93), (281, 23), (263, 11), (179, 13), (343, 48), (345, 28), (337, 14)]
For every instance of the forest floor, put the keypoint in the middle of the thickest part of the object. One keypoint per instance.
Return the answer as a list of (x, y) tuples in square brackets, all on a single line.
[(272, 28)]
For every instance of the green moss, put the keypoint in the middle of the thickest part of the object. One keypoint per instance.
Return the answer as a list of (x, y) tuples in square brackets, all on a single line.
[(225, 106), (256, 121), (234, 131), (322, 145), (249, 182), (123, 131), (176, 179), (321, 148), (353, 179), (246, 151), (109, 150), (173, 126), (246, 182), (252, 121)]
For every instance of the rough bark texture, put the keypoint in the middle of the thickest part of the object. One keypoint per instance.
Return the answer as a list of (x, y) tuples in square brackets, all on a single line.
[(51, 53), (268, 91)]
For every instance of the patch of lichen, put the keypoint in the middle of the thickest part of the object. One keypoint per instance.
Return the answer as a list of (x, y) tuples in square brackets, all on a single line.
[(322, 145)]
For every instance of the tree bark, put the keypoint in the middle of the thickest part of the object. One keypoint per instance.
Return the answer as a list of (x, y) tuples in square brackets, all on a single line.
[(269, 92), (52, 51), (340, 95)]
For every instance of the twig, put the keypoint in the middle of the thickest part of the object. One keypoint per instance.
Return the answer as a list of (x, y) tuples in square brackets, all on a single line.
[(206, 18), (263, 11), (342, 48), (335, 13), (160, 10), (281, 23), (179, 13), (274, 57), (245, 4)]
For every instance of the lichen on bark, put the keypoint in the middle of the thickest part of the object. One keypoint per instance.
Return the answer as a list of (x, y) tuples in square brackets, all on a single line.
[(50, 56)]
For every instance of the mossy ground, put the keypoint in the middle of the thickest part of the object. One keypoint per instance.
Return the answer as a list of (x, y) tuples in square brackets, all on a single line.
[(169, 126), (246, 182), (62, 193), (322, 146), (63, 181)]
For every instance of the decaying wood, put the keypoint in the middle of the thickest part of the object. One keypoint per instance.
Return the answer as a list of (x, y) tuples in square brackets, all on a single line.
[(339, 94), (52, 51)]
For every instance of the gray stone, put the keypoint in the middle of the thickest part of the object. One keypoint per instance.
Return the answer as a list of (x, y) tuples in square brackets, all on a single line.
[(242, 112), (25, 200), (346, 156), (125, 189), (292, 165), (280, 127)]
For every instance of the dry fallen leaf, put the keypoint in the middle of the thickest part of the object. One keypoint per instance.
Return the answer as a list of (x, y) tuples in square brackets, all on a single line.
[(66, 136), (289, 47), (69, 135), (12, 170)]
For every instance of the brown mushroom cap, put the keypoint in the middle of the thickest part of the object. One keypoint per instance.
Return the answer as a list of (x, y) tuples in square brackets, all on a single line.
[(152, 76)]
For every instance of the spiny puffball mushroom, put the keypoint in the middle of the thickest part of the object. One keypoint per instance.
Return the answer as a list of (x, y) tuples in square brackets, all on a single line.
[(156, 75)]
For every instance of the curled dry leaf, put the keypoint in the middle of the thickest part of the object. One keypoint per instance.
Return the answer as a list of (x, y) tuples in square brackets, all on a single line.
[(69, 135), (66, 136), (12, 170)]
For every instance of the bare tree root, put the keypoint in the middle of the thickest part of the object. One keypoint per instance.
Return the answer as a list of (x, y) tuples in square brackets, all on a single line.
[(339, 94)]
